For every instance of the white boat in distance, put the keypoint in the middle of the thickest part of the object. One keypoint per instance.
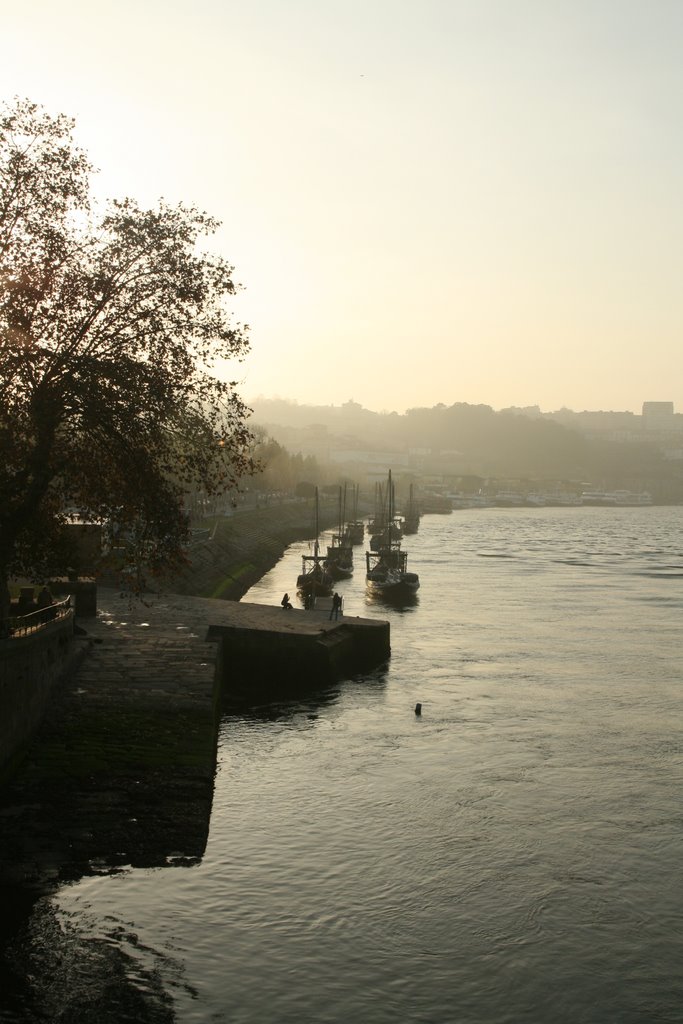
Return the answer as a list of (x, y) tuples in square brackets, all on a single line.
[(621, 498), (513, 499)]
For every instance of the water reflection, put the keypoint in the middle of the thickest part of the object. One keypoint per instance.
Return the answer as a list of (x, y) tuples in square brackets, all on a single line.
[(283, 709), (100, 813), (294, 708), (405, 603), (51, 971)]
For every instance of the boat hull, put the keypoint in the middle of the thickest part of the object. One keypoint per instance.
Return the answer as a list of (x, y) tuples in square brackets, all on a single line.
[(315, 585), (339, 561), (393, 584), (339, 572), (356, 533)]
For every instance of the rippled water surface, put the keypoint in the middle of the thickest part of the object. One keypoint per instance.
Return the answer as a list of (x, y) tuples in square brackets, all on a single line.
[(514, 854)]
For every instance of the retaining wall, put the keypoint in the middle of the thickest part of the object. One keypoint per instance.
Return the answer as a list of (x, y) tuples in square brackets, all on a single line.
[(29, 668), (267, 654)]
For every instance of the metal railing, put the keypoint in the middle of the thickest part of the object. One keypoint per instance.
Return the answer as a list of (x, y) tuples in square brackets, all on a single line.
[(25, 625)]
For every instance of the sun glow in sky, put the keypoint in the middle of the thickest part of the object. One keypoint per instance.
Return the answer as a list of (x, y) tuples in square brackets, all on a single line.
[(456, 200)]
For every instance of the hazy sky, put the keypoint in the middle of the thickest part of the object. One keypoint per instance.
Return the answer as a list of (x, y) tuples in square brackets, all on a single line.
[(450, 200)]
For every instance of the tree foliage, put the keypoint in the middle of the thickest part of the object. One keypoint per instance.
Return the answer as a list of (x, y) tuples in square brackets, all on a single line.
[(111, 323), (279, 469)]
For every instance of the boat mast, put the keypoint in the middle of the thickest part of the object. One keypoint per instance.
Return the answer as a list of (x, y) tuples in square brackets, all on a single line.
[(391, 507), (315, 545)]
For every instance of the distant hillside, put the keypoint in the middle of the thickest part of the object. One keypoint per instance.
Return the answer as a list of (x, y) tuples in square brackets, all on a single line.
[(475, 439)]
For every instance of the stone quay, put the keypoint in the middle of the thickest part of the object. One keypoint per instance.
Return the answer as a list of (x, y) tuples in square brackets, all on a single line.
[(121, 770)]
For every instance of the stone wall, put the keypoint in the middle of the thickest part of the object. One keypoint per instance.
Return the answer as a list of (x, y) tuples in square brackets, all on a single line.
[(256, 664), (29, 668)]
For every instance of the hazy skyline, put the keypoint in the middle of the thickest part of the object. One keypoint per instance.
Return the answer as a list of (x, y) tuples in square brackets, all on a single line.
[(453, 201)]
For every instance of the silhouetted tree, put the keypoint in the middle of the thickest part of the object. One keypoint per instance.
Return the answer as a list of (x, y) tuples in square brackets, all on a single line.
[(110, 326)]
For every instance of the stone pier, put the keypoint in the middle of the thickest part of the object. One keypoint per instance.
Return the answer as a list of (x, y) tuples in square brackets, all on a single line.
[(121, 771), (267, 653)]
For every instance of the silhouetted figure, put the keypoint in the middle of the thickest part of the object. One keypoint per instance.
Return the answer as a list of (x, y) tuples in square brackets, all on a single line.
[(285, 602), (44, 604), (336, 606)]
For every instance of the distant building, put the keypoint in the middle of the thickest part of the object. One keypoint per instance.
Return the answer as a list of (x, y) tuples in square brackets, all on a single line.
[(659, 425), (663, 428), (658, 416), (382, 461)]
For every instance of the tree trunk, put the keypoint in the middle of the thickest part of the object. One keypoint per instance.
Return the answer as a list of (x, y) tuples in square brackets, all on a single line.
[(4, 599)]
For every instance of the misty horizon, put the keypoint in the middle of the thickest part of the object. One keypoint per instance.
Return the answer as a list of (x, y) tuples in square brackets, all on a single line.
[(528, 409)]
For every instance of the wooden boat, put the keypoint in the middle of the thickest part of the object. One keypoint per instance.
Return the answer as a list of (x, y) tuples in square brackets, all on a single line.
[(378, 523), (339, 560), (411, 514), (387, 573), (356, 527), (391, 533), (356, 530), (384, 527), (314, 579), (436, 503)]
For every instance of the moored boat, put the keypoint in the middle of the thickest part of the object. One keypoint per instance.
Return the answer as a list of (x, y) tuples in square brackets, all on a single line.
[(379, 521), (339, 560), (391, 533), (437, 504), (384, 527), (632, 499), (411, 513), (356, 527), (387, 573), (356, 530), (619, 497), (314, 579)]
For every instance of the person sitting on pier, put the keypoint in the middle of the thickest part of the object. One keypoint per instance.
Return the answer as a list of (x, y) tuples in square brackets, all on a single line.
[(285, 602)]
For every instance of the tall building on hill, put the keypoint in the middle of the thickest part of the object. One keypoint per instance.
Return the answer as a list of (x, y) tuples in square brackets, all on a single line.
[(658, 416)]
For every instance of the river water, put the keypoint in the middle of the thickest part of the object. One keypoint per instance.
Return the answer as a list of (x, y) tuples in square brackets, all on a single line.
[(513, 854)]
